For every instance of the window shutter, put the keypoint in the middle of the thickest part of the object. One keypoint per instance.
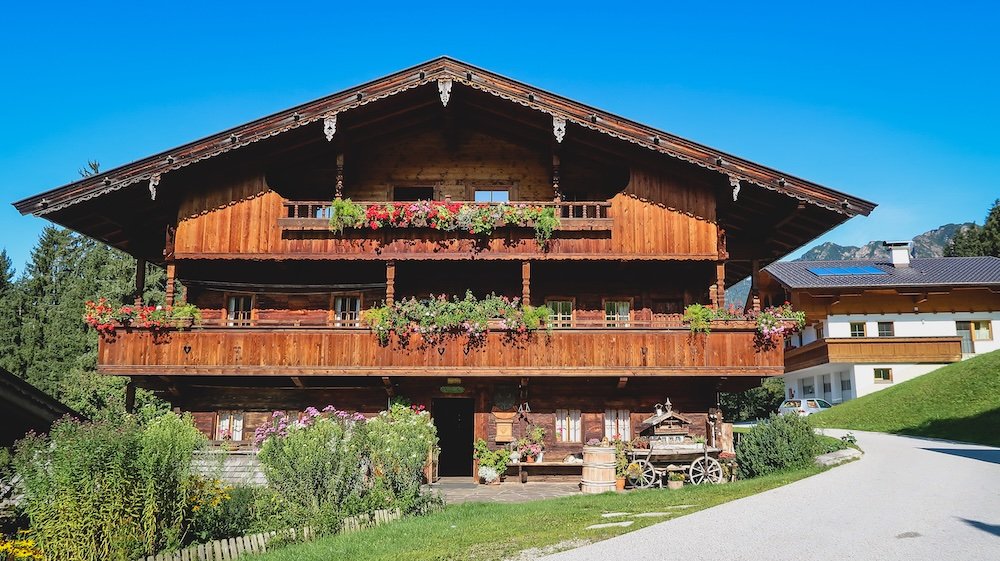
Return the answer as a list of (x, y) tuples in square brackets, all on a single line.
[(561, 429), (237, 426), (574, 425)]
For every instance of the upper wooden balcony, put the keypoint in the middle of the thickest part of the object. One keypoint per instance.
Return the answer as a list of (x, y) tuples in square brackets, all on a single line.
[(875, 350), (268, 226), (643, 349)]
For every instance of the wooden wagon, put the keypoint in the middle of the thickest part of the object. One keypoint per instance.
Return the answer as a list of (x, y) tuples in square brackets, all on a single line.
[(671, 449)]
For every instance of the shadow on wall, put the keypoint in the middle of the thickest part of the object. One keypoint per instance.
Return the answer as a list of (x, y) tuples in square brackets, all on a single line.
[(983, 428)]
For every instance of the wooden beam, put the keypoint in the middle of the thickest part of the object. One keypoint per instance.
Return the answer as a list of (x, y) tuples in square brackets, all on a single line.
[(622, 381), (140, 280), (387, 383), (298, 382)]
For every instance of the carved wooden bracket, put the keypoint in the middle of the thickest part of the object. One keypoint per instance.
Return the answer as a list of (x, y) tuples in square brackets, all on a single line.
[(558, 128), (444, 90), (735, 182), (153, 182), (330, 126)]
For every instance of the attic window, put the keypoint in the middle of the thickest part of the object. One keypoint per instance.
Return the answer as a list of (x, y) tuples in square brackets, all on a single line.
[(843, 271)]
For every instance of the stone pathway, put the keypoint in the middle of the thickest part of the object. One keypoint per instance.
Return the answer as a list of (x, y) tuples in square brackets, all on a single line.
[(457, 490)]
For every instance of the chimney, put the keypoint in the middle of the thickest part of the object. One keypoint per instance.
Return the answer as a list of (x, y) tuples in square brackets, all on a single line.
[(900, 252)]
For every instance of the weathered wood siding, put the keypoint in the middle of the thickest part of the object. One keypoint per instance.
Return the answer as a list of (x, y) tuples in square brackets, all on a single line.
[(653, 217), (356, 352)]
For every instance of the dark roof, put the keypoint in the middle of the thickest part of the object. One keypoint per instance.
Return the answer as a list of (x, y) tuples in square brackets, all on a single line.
[(940, 271), (26, 408)]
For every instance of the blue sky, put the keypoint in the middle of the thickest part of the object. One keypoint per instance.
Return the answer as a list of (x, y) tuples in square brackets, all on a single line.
[(890, 102)]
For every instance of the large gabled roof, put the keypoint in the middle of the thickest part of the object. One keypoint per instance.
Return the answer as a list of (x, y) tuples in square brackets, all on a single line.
[(933, 272), (459, 73)]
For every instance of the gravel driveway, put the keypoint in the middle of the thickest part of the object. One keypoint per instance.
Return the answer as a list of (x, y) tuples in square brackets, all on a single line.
[(908, 498)]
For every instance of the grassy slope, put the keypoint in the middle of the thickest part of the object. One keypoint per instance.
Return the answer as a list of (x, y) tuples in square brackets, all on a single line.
[(493, 531), (960, 401)]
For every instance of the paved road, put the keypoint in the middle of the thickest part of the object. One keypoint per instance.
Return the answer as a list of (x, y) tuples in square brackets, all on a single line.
[(907, 498)]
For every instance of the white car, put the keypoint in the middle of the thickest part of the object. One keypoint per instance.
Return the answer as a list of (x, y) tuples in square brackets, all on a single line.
[(803, 407)]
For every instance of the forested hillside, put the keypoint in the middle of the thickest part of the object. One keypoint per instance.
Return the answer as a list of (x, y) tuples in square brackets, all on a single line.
[(42, 336)]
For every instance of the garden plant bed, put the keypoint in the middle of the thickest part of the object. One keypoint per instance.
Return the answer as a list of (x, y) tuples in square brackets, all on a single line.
[(491, 531)]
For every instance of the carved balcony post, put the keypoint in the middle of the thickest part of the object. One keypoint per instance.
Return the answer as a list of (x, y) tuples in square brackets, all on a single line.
[(171, 274), (339, 191), (556, 192), (390, 282), (526, 282)]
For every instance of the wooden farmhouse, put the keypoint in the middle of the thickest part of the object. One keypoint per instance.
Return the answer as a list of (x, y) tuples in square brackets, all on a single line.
[(648, 223)]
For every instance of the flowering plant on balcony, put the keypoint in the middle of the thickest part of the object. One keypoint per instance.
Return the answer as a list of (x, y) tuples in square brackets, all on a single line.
[(438, 317), (474, 218), (772, 323), (105, 318)]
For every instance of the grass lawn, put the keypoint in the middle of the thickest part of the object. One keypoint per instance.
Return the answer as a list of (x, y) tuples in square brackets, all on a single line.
[(495, 531), (960, 401)]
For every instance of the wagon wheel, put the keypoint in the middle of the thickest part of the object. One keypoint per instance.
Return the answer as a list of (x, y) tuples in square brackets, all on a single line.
[(646, 476), (705, 469)]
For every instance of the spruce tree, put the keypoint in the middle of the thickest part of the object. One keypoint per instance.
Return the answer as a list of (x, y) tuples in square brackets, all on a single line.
[(978, 240)]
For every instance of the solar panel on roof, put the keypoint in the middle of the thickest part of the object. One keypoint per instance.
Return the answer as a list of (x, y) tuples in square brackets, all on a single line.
[(835, 271)]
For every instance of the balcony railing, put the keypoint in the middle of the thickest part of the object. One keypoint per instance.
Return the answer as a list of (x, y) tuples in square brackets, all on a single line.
[(875, 350), (728, 350), (572, 215)]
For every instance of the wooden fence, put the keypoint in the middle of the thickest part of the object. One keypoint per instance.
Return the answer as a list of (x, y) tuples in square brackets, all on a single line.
[(233, 548)]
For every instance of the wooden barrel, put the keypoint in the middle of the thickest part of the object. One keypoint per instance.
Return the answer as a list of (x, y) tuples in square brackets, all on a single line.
[(598, 469)]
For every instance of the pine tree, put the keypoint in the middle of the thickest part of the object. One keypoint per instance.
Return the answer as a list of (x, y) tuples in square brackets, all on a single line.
[(978, 240), (10, 317)]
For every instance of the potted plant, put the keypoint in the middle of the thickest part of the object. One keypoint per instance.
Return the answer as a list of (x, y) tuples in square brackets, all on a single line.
[(621, 463), (675, 480), (537, 438), (492, 463)]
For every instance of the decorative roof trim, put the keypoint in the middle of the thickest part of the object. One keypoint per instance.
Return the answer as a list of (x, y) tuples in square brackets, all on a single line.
[(445, 69)]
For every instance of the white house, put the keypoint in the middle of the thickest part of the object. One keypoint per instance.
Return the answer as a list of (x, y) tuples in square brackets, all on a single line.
[(874, 323)]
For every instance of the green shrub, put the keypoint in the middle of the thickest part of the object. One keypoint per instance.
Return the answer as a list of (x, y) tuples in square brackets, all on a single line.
[(782, 442), (107, 490), (345, 213), (332, 464), (218, 511)]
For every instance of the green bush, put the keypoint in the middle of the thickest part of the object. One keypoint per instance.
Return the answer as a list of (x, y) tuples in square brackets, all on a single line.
[(782, 442), (217, 511), (332, 464), (107, 490)]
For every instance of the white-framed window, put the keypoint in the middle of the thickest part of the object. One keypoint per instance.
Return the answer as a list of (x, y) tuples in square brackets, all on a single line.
[(617, 313), (858, 329), (886, 329), (229, 426), (845, 383), (617, 424), (562, 313), (568, 425), (239, 309), (347, 310), (492, 195)]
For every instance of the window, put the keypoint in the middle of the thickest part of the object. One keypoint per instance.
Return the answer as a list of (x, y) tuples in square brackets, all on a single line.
[(883, 375), (845, 383), (857, 329), (807, 388), (819, 330), (562, 313), (886, 329), (812, 404), (616, 312), (413, 193), (823, 404), (827, 386), (969, 331), (492, 196), (230, 426), (616, 424), (239, 310), (346, 310), (568, 425)]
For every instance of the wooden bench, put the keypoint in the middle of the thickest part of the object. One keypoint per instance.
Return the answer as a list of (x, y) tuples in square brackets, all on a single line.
[(524, 467)]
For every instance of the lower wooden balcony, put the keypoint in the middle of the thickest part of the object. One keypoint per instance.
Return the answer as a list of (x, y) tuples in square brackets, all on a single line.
[(875, 350), (314, 351)]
